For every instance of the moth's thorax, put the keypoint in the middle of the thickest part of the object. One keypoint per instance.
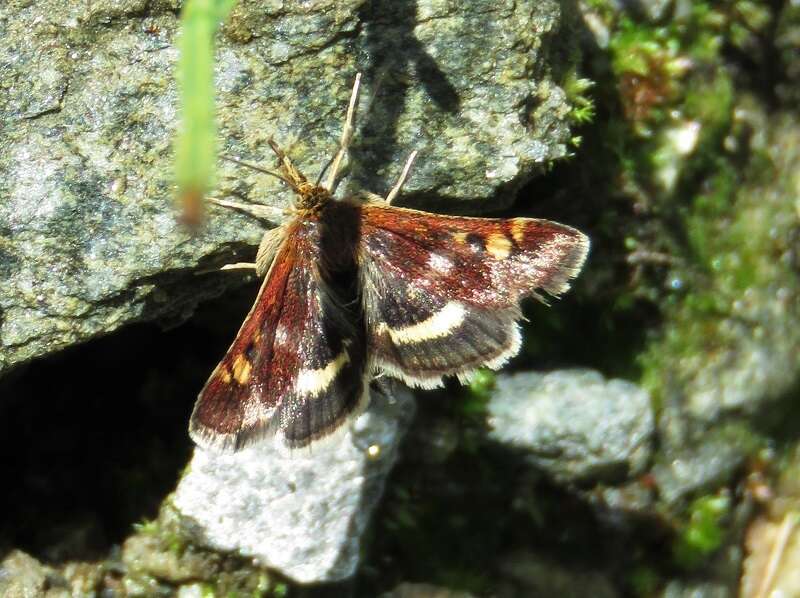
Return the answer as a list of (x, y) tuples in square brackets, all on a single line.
[(311, 198), (332, 228)]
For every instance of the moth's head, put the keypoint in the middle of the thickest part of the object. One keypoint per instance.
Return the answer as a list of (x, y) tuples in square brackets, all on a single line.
[(309, 196)]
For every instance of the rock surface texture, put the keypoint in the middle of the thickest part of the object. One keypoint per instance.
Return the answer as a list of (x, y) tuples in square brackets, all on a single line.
[(574, 423)]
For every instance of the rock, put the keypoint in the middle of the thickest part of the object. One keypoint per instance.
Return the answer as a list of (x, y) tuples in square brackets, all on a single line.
[(195, 590), (681, 589), (145, 553), (727, 363), (84, 578), (622, 507), (575, 424), (21, 576), (700, 465), (88, 238), (536, 575), (424, 590), (301, 513)]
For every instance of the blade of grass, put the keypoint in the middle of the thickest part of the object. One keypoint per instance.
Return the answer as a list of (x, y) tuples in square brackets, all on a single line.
[(195, 148)]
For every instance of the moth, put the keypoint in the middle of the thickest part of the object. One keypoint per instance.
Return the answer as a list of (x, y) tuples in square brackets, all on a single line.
[(356, 287)]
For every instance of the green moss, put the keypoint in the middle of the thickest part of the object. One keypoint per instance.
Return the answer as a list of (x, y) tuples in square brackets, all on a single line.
[(704, 531), (147, 527), (576, 88), (735, 234), (162, 556), (467, 580), (280, 590), (636, 47), (480, 391), (710, 101), (644, 581)]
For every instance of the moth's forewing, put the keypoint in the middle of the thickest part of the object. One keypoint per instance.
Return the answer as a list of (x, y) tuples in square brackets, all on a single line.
[(297, 365), (441, 293)]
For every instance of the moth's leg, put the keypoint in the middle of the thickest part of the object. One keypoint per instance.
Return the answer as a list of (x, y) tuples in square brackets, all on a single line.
[(402, 179), (239, 266), (347, 136), (255, 167), (268, 249), (235, 266), (256, 210)]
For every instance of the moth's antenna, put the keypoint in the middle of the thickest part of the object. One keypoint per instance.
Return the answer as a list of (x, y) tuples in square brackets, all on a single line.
[(293, 176), (322, 172), (402, 179), (375, 90), (347, 136), (277, 175)]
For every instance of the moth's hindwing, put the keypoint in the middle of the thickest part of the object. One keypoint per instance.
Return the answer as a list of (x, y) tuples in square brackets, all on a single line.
[(296, 367), (441, 293)]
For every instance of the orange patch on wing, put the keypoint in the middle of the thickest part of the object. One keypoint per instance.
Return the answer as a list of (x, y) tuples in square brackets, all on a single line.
[(241, 369), (460, 238), (518, 228), (499, 246)]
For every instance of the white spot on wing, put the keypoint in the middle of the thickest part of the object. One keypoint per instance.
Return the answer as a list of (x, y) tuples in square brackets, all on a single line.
[(281, 335), (439, 263)]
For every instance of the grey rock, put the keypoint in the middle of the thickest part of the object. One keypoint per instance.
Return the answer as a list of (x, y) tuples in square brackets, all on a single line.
[(195, 590), (301, 512), (620, 506), (699, 465), (424, 590), (21, 576), (574, 423), (538, 575), (88, 237), (680, 589)]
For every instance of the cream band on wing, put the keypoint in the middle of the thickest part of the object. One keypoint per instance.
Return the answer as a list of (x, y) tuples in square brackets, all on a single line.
[(312, 382), (438, 325)]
